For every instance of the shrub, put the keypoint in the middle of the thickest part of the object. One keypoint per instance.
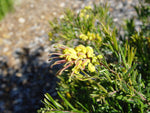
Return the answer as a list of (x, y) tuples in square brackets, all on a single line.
[(5, 6), (102, 71)]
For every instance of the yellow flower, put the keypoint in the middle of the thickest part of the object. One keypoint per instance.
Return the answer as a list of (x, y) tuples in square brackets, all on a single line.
[(83, 37), (85, 62), (91, 67), (99, 56), (90, 52), (50, 36), (69, 51), (83, 11), (70, 54), (98, 37), (91, 36), (81, 15), (87, 16), (78, 64), (76, 70), (80, 48), (81, 55), (88, 7), (68, 95), (94, 59)]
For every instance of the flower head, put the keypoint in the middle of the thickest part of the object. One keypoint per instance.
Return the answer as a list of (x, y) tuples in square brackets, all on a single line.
[(91, 67), (50, 36), (80, 58), (98, 37), (85, 63), (87, 16), (70, 54), (91, 36), (90, 52), (88, 7), (83, 37), (99, 57), (81, 15), (84, 13), (80, 48)]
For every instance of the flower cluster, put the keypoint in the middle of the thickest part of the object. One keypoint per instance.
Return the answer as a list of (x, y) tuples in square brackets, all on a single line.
[(80, 57), (90, 36), (83, 12)]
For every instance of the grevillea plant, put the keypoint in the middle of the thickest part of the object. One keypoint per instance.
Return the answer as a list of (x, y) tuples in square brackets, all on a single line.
[(100, 72)]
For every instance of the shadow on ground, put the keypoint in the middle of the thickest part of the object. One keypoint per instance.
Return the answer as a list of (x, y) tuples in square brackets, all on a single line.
[(22, 87)]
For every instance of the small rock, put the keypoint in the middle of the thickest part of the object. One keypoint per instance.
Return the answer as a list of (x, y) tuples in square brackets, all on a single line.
[(32, 5), (2, 106), (54, 13), (6, 36), (5, 49), (119, 6), (62, 5), (42, 17), (61, 16), (19, 100), (5, 72), (19, 74), (6, 41), (1, 93), (1, 41), (115, 19), (3, 86), (21, 20)]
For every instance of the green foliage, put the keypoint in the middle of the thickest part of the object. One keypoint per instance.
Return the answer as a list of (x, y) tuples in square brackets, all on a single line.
[(56, 107), (5, 6), (72, 25), (119, 83), (141, 40)]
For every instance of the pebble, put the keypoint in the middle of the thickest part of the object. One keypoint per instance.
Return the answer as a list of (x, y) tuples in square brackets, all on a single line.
[(8, 42), (32, 5), (42, 17), (62, 5), (19, 74), (21, 20), (61, 16), (54, 13), (5, 49), (1, 93)]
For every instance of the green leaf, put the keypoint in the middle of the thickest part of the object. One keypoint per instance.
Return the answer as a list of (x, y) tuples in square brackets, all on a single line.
[(124, 86), (47, 103), (58, 106), (83, 106), (123, 58), (130, 70), (67, 102)]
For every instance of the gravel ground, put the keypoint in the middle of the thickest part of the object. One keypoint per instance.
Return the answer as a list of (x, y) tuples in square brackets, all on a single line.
[(24, 46)]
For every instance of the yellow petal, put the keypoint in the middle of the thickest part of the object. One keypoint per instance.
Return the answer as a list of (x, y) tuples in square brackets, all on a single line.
[(99, 56), (83, 37), (90, 52), (80, 48), (98, 37), (87, 7), (91, 67)]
